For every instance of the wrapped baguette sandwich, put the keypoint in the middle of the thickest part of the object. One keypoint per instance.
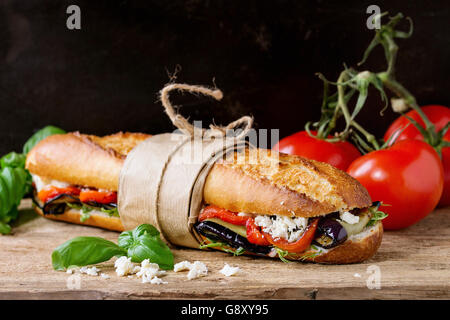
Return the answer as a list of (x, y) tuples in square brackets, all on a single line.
[(279, 205)]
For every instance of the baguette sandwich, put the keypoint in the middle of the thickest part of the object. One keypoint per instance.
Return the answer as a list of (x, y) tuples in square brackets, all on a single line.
[(272, 204), (76, 176), (256, 202)]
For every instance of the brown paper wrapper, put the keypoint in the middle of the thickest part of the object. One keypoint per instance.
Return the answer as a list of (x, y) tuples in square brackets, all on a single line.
[(161, 183)]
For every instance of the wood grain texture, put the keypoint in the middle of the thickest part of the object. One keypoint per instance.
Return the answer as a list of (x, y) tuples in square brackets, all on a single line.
[(414, 263)]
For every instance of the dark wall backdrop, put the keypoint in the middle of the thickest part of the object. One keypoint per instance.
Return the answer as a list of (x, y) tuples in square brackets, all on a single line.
[(262, 54)]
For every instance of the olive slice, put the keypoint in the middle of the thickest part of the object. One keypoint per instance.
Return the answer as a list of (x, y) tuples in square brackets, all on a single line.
[(330, 233)]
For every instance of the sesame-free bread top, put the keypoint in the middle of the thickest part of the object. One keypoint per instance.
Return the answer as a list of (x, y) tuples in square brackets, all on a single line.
[(81, 159), (263, 181)]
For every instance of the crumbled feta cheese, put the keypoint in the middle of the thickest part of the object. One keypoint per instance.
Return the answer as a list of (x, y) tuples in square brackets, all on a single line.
[(357, 275), (149, 270), (69, 271), (197, 269), (182, 266), (284, 227), (229, 271), (90, 271), (40, 183), (154, 280), (348, 217), (124, 266), (104, 275)]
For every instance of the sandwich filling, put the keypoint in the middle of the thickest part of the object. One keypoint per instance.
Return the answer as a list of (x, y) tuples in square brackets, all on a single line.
[(239, 232), (56, 197)]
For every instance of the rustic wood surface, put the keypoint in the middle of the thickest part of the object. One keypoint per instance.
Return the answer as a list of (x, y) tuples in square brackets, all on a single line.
[(414, 263)]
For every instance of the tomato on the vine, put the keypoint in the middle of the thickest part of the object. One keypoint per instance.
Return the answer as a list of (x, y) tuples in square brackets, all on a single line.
[(439, 116), (338, 154), (407, 177)]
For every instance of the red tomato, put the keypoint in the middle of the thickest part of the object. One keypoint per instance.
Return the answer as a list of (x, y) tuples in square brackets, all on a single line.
[(445, 198), (51, 192), (301, 244), (408, 177), (104, 197), (222, 214), (439, 116), (338, 154)]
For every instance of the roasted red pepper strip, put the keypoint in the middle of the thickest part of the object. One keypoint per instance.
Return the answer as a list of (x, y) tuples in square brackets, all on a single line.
[(222, 214), (104, 197), (301, 244), (254, 235), (50, 192)]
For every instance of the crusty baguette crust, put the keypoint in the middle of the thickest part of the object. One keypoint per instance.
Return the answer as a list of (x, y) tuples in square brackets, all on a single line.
[(351, 251), (81, 159), (96, 220), (258, 182)]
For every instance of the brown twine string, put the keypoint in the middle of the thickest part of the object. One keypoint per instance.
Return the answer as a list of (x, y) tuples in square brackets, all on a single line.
[(186, 127)]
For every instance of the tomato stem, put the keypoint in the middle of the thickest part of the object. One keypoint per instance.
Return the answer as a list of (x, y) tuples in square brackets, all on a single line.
[(351, 81)]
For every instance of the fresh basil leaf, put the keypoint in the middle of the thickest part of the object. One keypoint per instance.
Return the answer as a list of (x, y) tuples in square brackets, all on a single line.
[(4, 228), (145, 229), (13, 160), (40, 135), (144, 242), (83, 251), (128, 238), (5, 202), (152, 248)]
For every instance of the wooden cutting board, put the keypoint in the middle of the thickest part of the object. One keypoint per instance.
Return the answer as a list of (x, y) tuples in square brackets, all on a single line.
[(412, 264)]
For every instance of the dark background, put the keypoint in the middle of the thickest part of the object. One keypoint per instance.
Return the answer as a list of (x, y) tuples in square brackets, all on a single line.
[(262, 54)]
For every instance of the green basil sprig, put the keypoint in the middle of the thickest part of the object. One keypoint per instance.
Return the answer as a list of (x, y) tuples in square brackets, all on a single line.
[(141, 243), (15, 180)]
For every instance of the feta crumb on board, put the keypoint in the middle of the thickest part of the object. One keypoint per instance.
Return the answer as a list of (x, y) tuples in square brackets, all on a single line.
[(104, 276), (124, 266), (357, 275), (228, 270), (196, 269), (182, 266), (154, 280), (348, 217), (90, 271), (147, 271)]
